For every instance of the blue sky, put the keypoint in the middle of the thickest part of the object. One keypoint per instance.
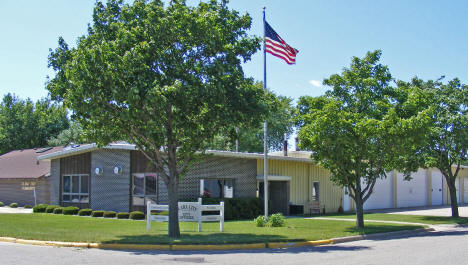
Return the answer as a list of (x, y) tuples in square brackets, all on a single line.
[(423, 38)]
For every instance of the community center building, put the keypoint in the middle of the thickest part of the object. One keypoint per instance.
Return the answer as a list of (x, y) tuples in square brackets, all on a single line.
[(118, 177)]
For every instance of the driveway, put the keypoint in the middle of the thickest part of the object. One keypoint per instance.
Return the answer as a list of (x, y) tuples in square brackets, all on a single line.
[(14, 210), (429, 211)]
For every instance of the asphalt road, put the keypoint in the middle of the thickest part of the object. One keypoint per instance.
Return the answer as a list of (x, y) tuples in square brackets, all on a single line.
[(443, 247)]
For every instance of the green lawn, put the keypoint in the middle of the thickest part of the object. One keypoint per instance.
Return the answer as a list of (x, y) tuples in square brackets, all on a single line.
[(86, 229), (406, 218)]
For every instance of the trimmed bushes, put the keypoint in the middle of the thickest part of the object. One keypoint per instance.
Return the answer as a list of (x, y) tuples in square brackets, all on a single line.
[(237, 208), (109, 214), (50, 208), (13, 205), (97, 213), (85, 212), (137, 215), (123, 215), (40, 208), (70, 210), (275, 220), (58, 210), (260, 221), (27, 206), (2, 204)]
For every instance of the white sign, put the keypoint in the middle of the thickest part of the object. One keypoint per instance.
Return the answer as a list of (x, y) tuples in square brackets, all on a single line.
[(188, 212)]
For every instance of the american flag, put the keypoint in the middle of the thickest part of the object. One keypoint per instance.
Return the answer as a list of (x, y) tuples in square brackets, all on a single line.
[(276, 46)]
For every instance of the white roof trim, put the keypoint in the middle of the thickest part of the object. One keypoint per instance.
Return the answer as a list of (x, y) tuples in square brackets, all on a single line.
[(257, 156), (274, 178), (84, 149)]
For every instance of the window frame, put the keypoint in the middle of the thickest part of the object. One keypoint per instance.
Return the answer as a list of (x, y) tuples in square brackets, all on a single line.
[(70, 193), (144, 196), (223, 193)]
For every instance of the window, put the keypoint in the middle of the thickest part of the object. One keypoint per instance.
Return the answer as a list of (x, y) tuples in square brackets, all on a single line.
[(75, 188), (145, 187), (316, 191), (217, 188)]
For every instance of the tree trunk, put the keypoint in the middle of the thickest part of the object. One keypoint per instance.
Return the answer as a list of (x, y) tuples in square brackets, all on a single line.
[(359, 211), (453, 199), (173, 194)]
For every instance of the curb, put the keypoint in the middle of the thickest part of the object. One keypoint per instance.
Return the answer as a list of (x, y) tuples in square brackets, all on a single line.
[(210, 247)]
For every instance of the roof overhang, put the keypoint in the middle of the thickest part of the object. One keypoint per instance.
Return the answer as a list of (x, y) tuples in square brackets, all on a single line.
[(274, 178), (84, 149)]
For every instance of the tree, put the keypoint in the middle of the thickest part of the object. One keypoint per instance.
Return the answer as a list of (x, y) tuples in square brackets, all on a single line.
[(24, 124), (280, 120), (446, 142), (166, 78), (74, 134), (357, 131)]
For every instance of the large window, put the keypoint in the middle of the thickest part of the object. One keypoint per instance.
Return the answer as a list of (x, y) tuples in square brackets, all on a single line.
[(75, 188), (144, 188), (217, 188)]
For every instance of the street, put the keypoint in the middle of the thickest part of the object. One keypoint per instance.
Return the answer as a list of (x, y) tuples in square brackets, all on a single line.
[(446, 246)]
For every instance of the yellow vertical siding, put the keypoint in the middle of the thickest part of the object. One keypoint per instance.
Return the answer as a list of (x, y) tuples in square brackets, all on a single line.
[(303, 174)]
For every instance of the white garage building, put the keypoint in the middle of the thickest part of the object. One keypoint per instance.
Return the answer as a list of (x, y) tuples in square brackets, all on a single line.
[(426, 188)]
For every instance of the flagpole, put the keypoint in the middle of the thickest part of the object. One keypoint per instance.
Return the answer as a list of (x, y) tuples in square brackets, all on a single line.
[(265, 139)]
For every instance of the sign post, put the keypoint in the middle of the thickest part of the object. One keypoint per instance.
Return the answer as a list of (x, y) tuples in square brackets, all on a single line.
[(188, 212)]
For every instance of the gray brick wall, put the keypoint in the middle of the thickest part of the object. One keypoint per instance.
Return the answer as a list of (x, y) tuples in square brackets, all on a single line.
[(243, 171), (54, 181), (110, 191)]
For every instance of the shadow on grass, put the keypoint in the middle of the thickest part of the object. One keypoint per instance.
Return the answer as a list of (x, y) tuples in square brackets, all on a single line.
[(370, 229), (205, 239)]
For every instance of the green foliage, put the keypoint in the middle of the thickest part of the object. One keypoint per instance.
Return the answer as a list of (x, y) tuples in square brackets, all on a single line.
[(97, 214), (58, 210), (260, 221), (137, 215), (27, 206), (85, 212), (25, 124), (2, 204), (70, 210), (109, 214), (276, 220), (362, 128), (73, 134), (40, 208), (167, 78), (123, 215), (280, 120), (13, 205), (446, 139), (50, 208)]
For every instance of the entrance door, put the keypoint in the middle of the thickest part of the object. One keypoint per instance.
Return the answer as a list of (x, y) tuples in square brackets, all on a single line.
[(278, 196), (437, 181)]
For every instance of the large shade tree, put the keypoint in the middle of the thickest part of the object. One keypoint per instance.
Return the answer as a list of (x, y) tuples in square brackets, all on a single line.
[(359, 130), (446, 145), (166, 77)]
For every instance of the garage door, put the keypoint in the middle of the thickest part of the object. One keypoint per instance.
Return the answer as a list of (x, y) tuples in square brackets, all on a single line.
[(382, 197), (414, 192), (465, 193), (437, 191)]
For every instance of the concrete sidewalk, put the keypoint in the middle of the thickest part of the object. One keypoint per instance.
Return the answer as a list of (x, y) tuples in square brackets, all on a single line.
[(6, 209), (428, 211)]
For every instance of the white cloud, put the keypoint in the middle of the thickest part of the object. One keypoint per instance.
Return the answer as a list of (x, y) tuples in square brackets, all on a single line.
[(315, 83)]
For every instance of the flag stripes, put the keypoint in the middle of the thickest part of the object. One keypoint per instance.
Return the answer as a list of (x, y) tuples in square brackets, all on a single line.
[(276, 46)]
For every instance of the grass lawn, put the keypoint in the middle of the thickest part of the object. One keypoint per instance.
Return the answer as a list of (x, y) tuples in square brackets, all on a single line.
[(86, 229), (406, 218)]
